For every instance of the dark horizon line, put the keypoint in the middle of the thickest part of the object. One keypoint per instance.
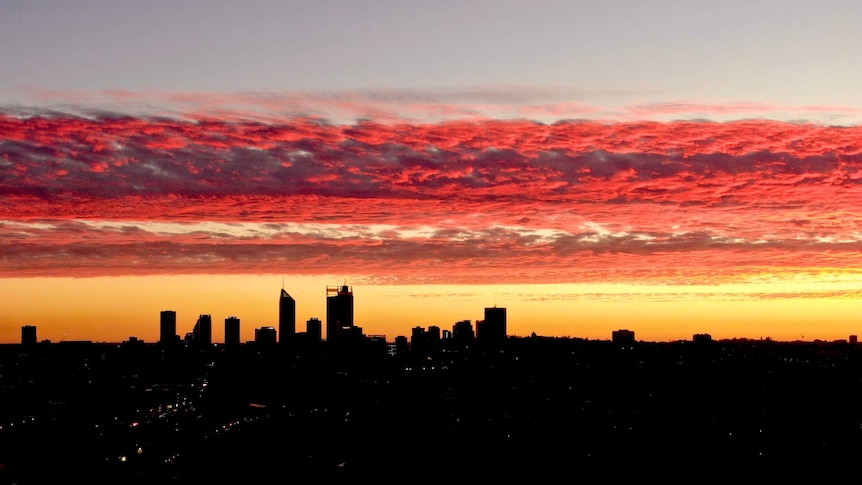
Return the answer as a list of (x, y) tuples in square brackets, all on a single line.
[(708, 337)]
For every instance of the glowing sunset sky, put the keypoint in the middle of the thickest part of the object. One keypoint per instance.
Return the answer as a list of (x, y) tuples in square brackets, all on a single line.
[(663, 167)]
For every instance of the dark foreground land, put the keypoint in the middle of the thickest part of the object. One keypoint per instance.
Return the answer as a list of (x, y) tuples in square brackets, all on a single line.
[(530, 409)]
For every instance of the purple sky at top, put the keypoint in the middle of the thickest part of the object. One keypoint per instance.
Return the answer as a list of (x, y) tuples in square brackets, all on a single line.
[(603, 53)]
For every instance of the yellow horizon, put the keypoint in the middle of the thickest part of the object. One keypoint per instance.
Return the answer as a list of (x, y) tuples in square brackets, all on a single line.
[(114, 309)]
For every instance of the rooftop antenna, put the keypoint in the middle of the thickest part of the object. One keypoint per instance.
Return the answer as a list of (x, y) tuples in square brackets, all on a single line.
[(282, 282)]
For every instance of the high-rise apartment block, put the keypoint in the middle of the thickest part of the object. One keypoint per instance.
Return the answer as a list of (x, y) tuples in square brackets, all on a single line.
[(231, 332), (313, 330), (28, 335), (462, 332), (202, 334), (168, 327)]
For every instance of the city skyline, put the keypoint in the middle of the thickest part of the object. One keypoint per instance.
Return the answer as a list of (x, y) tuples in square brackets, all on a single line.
[(494, 322), (339, 323), (590, 166)]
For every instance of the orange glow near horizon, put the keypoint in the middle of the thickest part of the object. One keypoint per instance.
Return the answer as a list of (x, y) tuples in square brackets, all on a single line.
[(113, 309)]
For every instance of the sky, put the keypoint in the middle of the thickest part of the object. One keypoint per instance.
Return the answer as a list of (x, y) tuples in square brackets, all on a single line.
[(672, 168)]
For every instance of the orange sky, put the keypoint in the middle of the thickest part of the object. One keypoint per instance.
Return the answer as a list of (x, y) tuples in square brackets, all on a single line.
[(112, 309), (743, 228)]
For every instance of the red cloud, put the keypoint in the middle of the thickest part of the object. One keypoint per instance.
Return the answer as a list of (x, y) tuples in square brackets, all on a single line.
[(537, 202)]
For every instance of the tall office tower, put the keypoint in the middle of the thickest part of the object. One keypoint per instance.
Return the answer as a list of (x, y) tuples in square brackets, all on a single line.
[(202, 334), (168, 327), (231, 332), (286, 317), (493, 328), (339, 311), (28, 335), (313, 329)]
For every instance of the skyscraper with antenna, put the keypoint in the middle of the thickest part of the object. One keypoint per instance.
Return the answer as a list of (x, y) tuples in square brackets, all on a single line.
[(493, 328)]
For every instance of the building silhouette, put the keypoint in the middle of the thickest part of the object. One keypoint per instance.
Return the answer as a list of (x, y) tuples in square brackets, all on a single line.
[(202, 334), (462, 332), (286, 317), (701, 338), (623, 336), (28, 335), (402, 345), (418, 340), (339, 311), (492, 330), (231, 332), (265, 336), (424, 340), (314, 329), (168, 327)]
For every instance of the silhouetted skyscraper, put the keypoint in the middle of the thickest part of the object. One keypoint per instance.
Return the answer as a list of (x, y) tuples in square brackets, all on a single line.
[(418, 342), (168, 327), (265, 335), (493, 328), (462, 332), (313, 330), (202, 334), (231, 332), (402, 345), (339, 311), (286, 317), (28, 335)]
